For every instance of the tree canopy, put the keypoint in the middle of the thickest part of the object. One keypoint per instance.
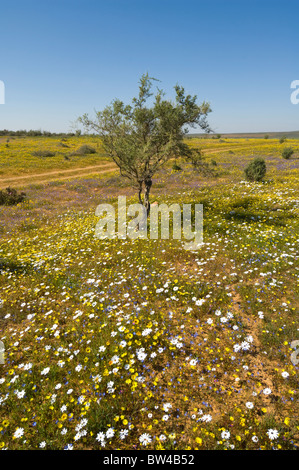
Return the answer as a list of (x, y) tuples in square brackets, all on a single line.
[(140, 138)]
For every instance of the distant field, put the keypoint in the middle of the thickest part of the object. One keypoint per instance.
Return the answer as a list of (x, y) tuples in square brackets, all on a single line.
[(140, 344), (26, 160), (28, 155), (257, 135)]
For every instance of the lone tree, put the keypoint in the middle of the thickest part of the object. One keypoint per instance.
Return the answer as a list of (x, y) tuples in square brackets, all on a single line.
[(140, 139)]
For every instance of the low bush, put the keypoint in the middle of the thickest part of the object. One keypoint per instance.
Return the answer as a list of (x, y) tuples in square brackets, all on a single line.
[(287, 153), (256, 170), (10, 197), (43, 153), (84, 150), (176, 167)]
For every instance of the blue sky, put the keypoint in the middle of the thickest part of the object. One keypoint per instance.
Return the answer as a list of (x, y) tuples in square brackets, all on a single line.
[(60, 59)]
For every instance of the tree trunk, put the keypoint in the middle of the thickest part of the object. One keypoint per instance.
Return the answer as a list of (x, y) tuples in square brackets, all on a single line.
[(140, 192), (148, 185)]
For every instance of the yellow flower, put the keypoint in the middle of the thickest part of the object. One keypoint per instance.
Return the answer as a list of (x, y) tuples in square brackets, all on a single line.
[(160, 447)]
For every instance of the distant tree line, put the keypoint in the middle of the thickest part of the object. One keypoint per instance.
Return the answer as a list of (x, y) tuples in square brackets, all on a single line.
[(37, 133)]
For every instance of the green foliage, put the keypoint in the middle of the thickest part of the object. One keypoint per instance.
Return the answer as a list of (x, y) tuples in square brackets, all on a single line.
[(287, 153), (84, 150), (62, 144), (256, 169), (282, 139), (10, 197), (195, 157), (43, 153), (34, 133), (176, 167), (140, 139), (199, 164)]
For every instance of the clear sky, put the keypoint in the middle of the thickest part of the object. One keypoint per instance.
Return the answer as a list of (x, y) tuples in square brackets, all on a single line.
[(62, 58)]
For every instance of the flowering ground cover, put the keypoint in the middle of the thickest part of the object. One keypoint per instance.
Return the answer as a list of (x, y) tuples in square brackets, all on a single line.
[(30, 155), (140, 344)]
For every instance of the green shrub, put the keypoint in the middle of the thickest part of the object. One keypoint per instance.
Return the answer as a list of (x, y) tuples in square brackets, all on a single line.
[(10, 197), (43, 153), (84, 150), (256, 170), (287, 152), (62, 144), (282, 139), (176, 167)]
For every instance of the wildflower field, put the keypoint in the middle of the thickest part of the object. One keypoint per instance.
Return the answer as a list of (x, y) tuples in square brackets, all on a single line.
[(140, 344)]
